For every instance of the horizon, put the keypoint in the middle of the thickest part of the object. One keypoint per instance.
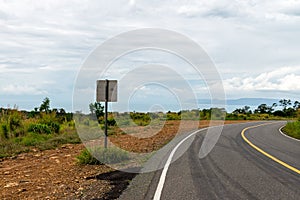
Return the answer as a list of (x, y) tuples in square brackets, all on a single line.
[(240, 103)]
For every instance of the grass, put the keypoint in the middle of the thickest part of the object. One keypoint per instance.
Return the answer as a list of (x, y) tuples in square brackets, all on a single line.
[(9, 149), (86, 158), (26, 143), (292, 129), (100, 155)]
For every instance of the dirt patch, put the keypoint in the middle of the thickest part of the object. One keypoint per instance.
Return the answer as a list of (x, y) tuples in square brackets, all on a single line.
[(51, 174)]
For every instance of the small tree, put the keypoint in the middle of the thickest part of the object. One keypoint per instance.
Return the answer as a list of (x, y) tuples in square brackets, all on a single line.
[(244, 110), (92, 108), (262, 109), (285, 103), (296, 105), (98, 109), (45, 106)]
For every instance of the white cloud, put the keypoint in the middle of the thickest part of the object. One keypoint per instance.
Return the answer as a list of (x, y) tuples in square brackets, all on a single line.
[(284, 79), (21, 90)]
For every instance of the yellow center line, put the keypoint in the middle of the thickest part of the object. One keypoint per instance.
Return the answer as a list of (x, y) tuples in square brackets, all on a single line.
[(265, 153)]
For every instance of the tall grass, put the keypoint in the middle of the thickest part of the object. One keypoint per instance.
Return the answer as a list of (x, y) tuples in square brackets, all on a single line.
[(292, 129)]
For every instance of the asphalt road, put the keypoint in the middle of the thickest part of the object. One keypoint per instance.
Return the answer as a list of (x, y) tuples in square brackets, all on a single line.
[(232, 170)]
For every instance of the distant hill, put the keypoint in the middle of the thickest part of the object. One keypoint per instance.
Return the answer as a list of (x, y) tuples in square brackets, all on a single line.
[(242, 101), (252, 101)]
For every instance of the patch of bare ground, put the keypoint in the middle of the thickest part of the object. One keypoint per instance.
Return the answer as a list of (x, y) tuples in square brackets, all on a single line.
[(51, 174)]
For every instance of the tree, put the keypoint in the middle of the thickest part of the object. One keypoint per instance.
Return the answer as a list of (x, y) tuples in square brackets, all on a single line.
[(62, 111), (262, 109), (98, 109), (247, 109), (92, 108), (285, 103), (296, 105), (290, 112), (55, 110), (244, 110), (45, 106), (270, 109)]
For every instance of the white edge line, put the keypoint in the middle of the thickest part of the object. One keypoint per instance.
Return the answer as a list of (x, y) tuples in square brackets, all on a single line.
[(282, 133), (166, 167)]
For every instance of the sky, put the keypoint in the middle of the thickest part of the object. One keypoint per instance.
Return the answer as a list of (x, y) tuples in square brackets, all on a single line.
[(254, 45)]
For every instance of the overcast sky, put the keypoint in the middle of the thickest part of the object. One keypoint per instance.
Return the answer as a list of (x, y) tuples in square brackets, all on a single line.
[(255, 44)]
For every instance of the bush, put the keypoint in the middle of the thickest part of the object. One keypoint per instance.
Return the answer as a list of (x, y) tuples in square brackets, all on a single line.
[(85, 157), (101, 155), (140, 119), (111, 122), (4, 130), (54, 127), (173, 116), (39, 128), (44, 128)]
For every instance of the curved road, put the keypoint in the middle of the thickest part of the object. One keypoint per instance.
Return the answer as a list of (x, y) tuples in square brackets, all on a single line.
[(232, 170)]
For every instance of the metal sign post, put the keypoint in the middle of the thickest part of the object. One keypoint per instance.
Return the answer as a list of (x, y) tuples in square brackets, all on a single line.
[(107, 92), (106, 103)]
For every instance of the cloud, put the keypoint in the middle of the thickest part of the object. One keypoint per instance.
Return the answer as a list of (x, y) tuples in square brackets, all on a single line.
[(21, 90), (221, 9), (284, 79), (49, 40)]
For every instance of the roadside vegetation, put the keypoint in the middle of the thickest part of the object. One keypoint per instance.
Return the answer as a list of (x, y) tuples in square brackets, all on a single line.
[(40, 129), (45, 128), (293, 129), (101, 155)]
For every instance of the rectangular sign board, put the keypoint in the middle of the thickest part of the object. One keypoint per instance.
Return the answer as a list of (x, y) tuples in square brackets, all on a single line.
[(112, 90)]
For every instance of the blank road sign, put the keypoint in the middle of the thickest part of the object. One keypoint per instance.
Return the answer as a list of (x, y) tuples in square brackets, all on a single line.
[(112, 90)]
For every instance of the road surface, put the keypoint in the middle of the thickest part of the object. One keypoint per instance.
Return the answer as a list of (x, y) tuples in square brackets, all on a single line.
[(232, 170)]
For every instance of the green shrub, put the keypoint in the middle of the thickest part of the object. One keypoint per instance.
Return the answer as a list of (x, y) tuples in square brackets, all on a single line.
[(39, 128), (173, 116), (101, 155), (111, 122), (5, 131), (54, 127), (85, 157), (140, 119)]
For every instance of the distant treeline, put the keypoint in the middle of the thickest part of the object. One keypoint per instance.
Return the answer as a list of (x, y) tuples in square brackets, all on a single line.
[(289, 109)]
